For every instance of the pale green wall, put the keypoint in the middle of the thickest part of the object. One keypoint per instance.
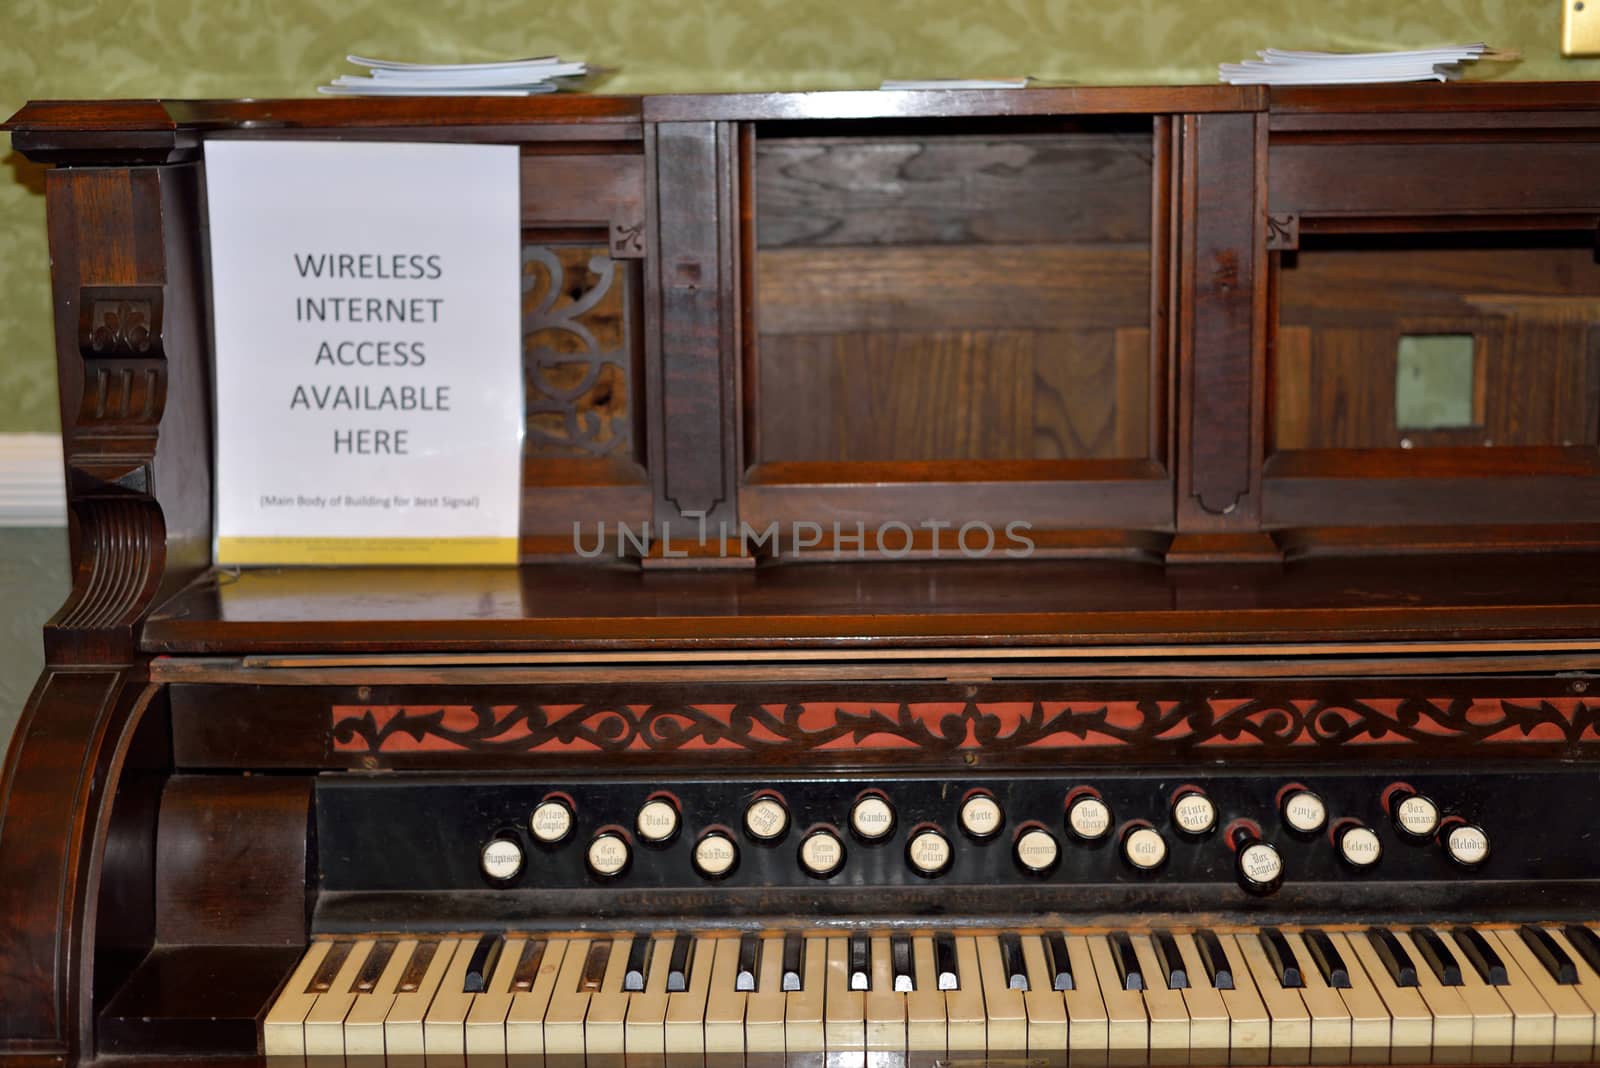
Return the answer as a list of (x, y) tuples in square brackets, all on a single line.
[(211, 48)]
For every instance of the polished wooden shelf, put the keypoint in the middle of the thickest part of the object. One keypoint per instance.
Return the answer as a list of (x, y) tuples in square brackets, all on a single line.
[(883, 605)]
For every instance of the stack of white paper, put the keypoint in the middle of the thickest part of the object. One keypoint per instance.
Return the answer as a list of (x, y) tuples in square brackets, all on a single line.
[(1280, 67), (514, 77), (955, 83)]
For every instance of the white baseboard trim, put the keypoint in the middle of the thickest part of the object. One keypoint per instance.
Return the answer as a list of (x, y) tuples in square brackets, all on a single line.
[(32, 484)]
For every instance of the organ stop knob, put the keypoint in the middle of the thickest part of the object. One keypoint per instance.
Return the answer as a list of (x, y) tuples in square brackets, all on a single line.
[(715, 855), (1358, 845), (981, 815), (872, 817), (1193, 813), (766, 819), (928, 852), (501, 859), (821, 853), (1466, 843), (551, 821), (1088, 817), (1304, 811), (1036, 849), (658, 820), (1415, 816), (1144, 848), (1258, 865), (608, 854)]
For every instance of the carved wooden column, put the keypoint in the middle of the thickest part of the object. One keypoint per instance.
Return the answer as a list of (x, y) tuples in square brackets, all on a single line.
[(693, 342), (1221, 358)]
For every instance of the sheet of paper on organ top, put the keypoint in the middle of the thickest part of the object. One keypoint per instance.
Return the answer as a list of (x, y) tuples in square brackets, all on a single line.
[(513, 77), (1278, 66)]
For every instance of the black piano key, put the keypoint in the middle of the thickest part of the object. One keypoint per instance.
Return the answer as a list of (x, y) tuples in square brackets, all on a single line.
[(1127, 961), (527, 969), (1394, 956), (1055, 948), (1437, 955), (416, 967), (1551, 955), (1585, 941), (372, 968), (1327, 958), (1281, 956), (1215, 959), (1011, 960), (482, 962), (1170, 959), (749, 950), (1482, 956), (944, 959), (905, 979), (322, 981), (638, 962), (678, 965), (594, 966), (860, 962), (793, 964)]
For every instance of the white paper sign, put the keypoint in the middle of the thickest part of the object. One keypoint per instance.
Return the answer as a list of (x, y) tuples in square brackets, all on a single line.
[(367, 304)]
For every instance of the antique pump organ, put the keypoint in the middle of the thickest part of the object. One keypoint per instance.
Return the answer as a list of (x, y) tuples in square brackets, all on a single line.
[(1176, 646)]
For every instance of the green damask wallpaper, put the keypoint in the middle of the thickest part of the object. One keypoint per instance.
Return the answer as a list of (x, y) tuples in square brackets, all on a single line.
[(206, 48)]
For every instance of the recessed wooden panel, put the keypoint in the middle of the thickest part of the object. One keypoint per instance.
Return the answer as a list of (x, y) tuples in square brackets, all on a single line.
[(1529, 304), (231, 861), (958, 298)]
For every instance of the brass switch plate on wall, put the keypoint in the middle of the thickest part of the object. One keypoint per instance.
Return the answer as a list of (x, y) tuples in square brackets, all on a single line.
[(1580, 27)]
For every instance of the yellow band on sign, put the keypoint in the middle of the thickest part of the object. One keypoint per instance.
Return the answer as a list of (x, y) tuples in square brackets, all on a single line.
[(252, 551)]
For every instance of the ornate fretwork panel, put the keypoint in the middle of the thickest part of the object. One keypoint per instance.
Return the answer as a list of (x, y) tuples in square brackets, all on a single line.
[(577, 329)]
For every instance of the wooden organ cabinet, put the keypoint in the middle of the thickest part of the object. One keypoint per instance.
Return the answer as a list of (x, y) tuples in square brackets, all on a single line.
[(1271, 739)]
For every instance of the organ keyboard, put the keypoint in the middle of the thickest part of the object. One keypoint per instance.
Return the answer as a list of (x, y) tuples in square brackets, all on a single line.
[(1402, 994), (1142, 603)]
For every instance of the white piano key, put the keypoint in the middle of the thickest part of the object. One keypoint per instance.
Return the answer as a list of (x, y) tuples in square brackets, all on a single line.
[(1127, 1024), (1574, 1020), (804, 1028), (1370, 1022), (403, 1027), (1088, 1026), (724, 1019), (1410, 1022), (525, 1021), (1533, 1025), (608, 1007), (686, 1009), (763, 1009), (925, 1005), (1330, 1018), (1452, 1021), (1046, 1009), (486, 1020), (1290, 1022), (1208, 1015), (1168, 1015), (569, 1002), (645, 1031), (966, 1026), (885, 1008), (844, 1010), (1007, 1018), (1588, 985), (283, 1028), (1249, 1023), (363, 1025), (324, 1024), (444, 1027), (1493, 1025)]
